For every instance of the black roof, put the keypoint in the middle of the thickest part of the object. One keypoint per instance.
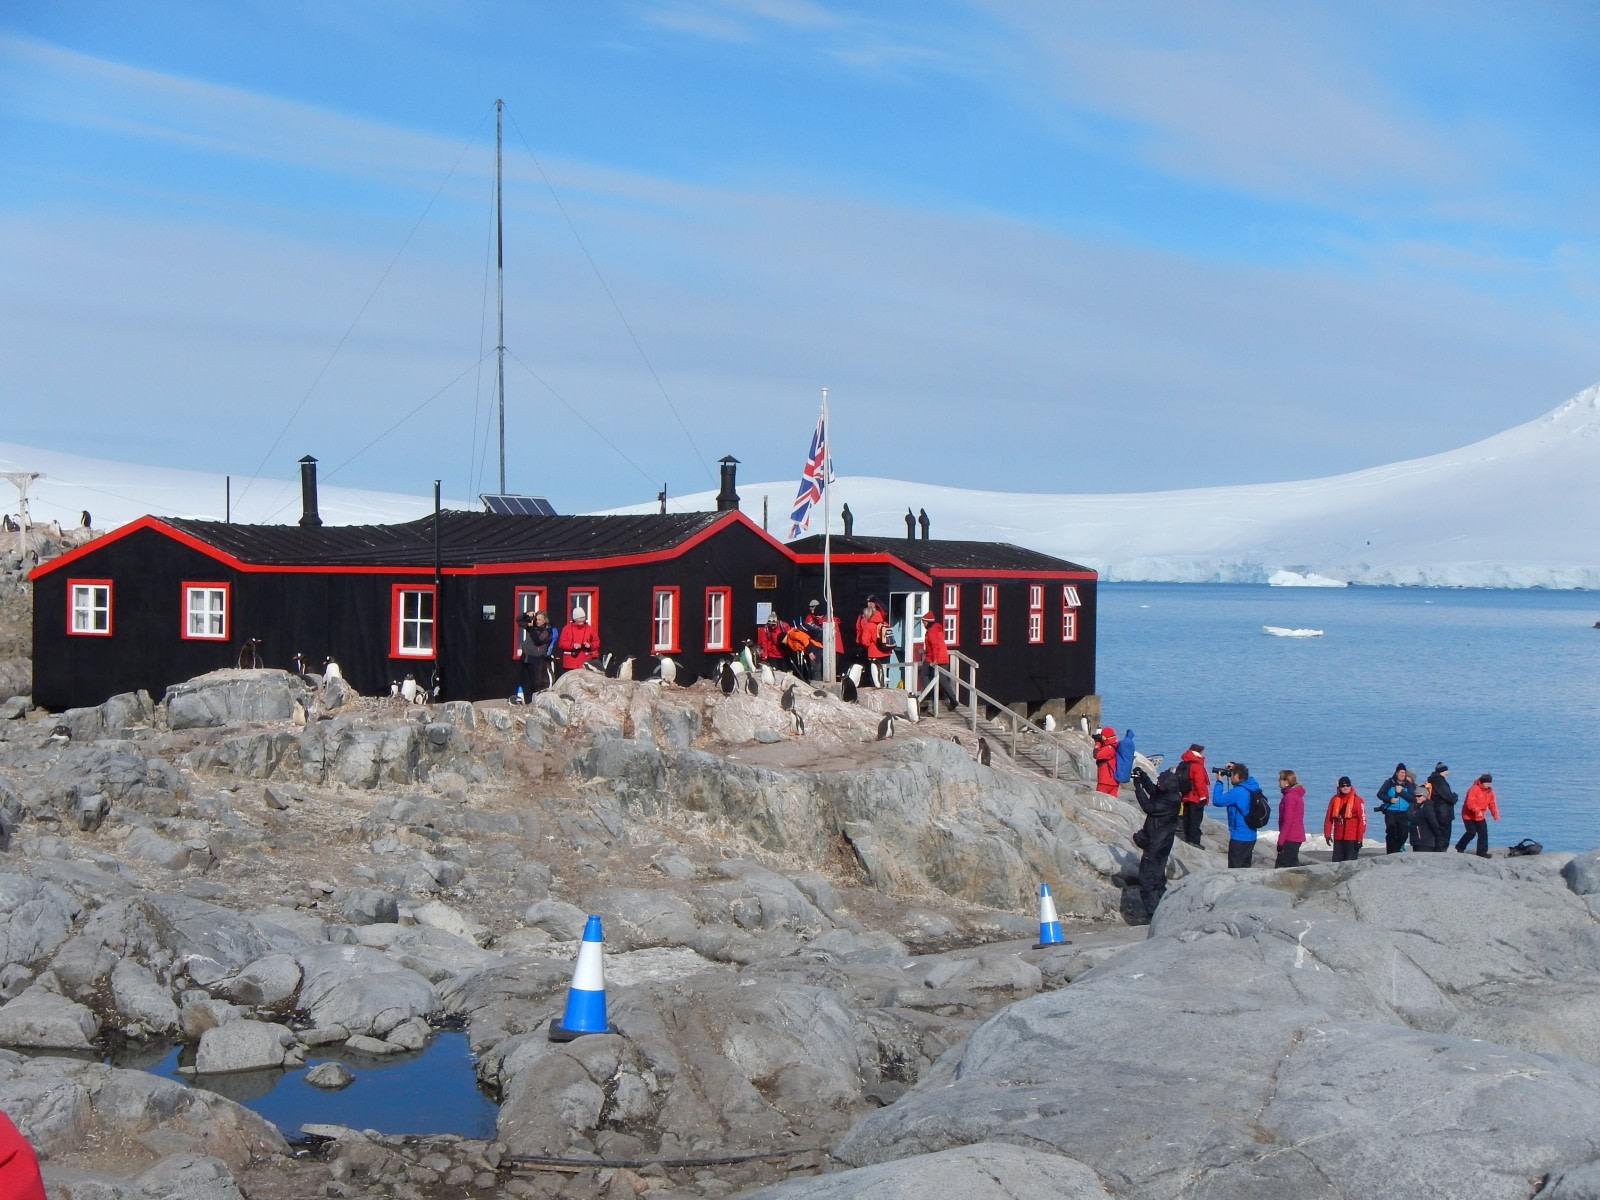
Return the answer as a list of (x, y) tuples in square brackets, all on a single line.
[(942, 554), (465, 539)]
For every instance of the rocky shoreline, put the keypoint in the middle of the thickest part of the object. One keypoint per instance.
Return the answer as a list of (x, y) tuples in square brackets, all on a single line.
[(819, 954)]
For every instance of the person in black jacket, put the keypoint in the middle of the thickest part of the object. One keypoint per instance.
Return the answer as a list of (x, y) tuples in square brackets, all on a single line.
[(1437, 814), (1160, 799)]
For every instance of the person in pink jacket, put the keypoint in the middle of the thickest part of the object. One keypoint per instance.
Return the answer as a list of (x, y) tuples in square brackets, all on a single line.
[(1479, 800), (1291, 819)]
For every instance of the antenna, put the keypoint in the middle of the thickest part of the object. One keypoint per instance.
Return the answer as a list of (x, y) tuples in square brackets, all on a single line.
[(500, 296)]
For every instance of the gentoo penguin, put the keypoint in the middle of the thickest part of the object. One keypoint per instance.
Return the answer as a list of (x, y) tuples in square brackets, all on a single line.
[(666, 670), (799, 724), (1049, 723), (847, 689), (330, 670), (750, 683), (886, 727), (728, 679), (409, 691), (983, 752), (786, 701)]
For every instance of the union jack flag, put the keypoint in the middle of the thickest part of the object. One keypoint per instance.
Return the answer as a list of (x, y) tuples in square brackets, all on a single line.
[(814, 476)]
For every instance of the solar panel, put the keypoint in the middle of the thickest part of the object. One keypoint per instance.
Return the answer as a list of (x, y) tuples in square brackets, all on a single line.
[(519, 506)]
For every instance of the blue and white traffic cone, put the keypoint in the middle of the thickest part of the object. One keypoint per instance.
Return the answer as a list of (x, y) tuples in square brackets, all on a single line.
[(1049, 927), (586, 998)]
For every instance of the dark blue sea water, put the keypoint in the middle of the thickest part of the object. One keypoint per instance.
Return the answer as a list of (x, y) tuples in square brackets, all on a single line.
[(1486, 680)]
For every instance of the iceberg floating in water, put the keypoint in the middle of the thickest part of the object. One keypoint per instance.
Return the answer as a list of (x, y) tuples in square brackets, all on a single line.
[(1286, 578), (1280, 631)]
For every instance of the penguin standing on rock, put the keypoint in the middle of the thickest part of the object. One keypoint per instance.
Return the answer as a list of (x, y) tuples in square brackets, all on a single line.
[(983, 752), (886, 727), (786, 701), (799, 724), (727, 680)]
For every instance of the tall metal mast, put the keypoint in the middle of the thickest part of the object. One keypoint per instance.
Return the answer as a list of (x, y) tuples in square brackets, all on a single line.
[(500, 298)]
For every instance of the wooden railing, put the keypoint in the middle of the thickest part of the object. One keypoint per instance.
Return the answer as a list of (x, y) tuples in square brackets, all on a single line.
[(1049, 750)]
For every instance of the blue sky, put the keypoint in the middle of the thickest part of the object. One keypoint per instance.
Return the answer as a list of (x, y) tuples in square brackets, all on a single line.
[(1043, 247)]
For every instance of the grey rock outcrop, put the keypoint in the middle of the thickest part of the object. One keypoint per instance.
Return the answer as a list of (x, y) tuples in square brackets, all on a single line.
[(1274, 1021), (234, 696)]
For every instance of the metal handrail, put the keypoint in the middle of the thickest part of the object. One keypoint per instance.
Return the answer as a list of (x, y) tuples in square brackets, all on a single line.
[(1078, 756)]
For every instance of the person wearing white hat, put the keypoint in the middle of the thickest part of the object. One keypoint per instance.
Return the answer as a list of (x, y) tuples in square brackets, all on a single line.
[(579, 641)]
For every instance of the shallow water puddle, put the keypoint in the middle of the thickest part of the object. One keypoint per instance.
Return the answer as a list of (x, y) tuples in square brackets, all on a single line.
[(434, 1090)]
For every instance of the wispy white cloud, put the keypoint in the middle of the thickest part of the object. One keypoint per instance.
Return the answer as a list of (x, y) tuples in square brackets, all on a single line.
[(40, 82)]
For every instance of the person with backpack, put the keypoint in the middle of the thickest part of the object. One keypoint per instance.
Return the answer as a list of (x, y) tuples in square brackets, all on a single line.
[(1291, 819), (870, 637), (1105, 761), (1480, 800), (1160, 799), (1345, 826), (1237, 791), (1123, 768), (1193, 812), (1397, 796)]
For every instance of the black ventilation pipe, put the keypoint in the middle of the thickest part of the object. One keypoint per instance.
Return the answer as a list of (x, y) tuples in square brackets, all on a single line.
[(727, 498), (849, 519), (308, 492), (922, 520)]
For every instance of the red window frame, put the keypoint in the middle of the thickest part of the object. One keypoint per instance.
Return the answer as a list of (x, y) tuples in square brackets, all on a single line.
[(1070, 603), (72, 586), (952, 614), (724, 594), (519, 605), (190, 585), (1035, 614), (988, 614), (397, 593), (674, 619), (589, 597)]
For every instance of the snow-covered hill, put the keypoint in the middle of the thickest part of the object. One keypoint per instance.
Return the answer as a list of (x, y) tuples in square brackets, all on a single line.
[(1519, 509), (115, 493)]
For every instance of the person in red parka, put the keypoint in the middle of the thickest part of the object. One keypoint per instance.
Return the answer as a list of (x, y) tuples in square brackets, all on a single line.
[(19, 1166), (579, 641), (771, 646), (936, 653), (869, 637), (1479, 800), (1345, 826), (1105, 760), (1193, 810)]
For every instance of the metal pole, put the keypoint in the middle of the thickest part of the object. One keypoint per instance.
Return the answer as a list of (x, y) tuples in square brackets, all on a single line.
[(830, 627), (500, 295)]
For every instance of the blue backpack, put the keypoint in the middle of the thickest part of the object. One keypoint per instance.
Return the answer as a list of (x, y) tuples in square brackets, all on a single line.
[(1124, 763)]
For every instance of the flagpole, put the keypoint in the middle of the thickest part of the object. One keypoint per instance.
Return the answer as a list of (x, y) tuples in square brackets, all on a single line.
[(830, 626)]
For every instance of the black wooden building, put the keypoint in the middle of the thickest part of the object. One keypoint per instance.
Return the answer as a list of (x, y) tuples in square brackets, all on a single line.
[(1026, 619), (161, 600)]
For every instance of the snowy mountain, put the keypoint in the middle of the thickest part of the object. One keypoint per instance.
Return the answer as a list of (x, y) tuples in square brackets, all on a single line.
[(1519, 509), (1515, 510)]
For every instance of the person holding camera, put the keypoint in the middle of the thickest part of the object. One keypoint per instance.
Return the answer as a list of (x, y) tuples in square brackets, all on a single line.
[(1160, 799), (1397, 797), (1232, 791), (536, 640), (579, 641)]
